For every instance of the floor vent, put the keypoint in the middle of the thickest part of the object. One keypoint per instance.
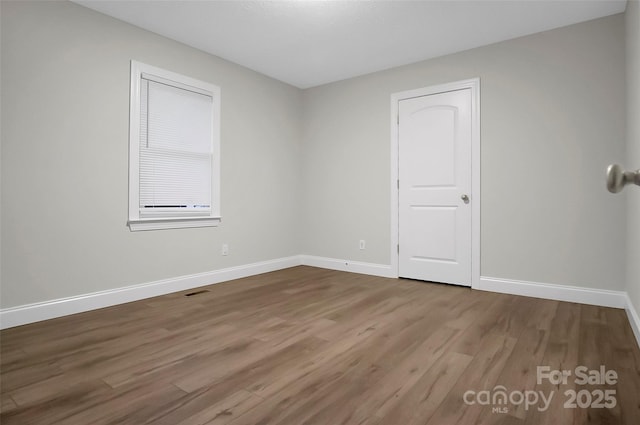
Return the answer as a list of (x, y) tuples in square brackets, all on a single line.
[(191, 294)]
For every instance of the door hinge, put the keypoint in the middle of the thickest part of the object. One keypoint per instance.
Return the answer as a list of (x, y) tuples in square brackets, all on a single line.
[(398, 119), (398, 183), (398, 246)]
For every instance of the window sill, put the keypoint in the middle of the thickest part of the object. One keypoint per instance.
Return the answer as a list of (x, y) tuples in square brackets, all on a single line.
[(172, 223)]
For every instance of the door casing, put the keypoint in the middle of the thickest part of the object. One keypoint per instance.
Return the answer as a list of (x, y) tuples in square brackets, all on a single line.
[(474, 85)]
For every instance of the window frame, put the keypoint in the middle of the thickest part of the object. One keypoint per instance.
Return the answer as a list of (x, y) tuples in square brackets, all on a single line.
[(136, 221)]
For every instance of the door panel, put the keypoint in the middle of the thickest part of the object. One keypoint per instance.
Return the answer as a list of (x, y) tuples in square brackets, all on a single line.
[(440, 224), (432, 163), (434, 143)]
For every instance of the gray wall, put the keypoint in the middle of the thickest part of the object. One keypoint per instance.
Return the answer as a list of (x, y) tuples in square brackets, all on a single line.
[(553, 116), (65, 117), (633, 150), (303, 171)]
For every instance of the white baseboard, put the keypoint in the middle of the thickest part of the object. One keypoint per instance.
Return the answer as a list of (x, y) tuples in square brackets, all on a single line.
[(373, 269), (634, 319), (574, 294), (21, 315)]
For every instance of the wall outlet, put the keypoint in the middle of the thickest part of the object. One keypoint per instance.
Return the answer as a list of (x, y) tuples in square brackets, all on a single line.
[(362, 244), (225, 249)]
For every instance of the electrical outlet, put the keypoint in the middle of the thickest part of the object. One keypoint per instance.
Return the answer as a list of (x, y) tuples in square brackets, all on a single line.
[(225, 249), (362, 243)]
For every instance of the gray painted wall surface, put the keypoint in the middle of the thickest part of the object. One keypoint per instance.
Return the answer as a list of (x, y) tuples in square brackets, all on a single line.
[(305, 171), (553, 117), (65, 118), (632, 160)]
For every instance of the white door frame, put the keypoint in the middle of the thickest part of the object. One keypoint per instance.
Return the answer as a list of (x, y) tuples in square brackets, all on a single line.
[(474, 85)]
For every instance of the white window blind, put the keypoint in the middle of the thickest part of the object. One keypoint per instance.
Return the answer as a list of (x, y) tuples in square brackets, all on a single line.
[(175, 149)]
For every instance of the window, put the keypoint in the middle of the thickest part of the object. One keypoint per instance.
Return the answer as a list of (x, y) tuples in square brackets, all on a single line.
[(174, 150)]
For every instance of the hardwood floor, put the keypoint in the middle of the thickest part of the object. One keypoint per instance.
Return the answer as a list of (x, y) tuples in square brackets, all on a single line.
[(313, 346)]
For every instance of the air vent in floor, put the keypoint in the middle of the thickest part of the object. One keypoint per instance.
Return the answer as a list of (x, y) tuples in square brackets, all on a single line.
[(191, 294)]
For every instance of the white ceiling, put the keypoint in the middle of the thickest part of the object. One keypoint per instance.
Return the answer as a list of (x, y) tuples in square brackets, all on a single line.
[(309, 43)]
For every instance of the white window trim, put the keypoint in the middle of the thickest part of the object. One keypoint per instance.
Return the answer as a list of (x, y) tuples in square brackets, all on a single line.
[(136, 222)]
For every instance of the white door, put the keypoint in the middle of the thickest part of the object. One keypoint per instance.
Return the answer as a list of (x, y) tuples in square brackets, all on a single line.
[(434, 189)]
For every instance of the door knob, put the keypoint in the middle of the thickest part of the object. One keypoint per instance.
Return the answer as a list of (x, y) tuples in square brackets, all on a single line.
[(617, 178), (465, 198)]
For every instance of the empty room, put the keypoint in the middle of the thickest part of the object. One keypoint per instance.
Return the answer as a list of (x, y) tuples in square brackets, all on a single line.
[(320, 212)]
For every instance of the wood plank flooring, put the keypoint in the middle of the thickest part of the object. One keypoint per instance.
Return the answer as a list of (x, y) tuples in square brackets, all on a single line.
[(313, 346)]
